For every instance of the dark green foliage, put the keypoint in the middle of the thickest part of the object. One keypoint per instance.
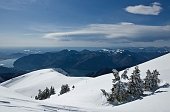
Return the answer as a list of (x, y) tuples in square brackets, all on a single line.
[(52, 90), (45, 94), (64, 89)]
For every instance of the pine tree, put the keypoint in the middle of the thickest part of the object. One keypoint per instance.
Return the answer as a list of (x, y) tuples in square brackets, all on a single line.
[(119, 91), (46, 93), (135, 85), (52, 91), (155, 80), (151, 80), (43, 95), (148, 81), (124, 74), (64, 89), (133, 89), (116, 75), (39, 94)]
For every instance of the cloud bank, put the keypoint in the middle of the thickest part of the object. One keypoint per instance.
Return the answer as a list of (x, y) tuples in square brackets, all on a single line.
[(122, 32), (154, 9)]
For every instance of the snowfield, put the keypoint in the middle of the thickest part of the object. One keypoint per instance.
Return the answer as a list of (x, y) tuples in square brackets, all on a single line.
[(30, 83), (11, 101), (86, 96)]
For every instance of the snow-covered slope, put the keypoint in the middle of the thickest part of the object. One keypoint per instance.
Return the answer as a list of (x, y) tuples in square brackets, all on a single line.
[(30, 83), (87, 92), (14, 102), (11, 101)]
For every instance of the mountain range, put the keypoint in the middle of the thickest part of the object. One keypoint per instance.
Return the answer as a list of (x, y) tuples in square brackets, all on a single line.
[(86, 62)]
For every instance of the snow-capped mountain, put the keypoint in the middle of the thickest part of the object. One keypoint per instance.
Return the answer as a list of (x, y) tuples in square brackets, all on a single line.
[(86, 96), (112, 51)]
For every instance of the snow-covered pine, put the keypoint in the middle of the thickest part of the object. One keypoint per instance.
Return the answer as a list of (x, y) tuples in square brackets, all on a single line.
[(124, 74), (39, 95), (151, 80), (107, 95), (116, 75), (147, 80), (64, 89), (119, 91), (156, 80), (45, 94), (135, 84), (131, 89)]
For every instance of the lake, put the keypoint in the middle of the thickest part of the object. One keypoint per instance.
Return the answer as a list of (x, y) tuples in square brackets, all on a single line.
[(7, 63)]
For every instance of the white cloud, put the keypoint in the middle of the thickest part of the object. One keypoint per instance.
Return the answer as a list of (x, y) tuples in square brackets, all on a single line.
[(94, 35), (154, 9), (156, 3), (122, 32)]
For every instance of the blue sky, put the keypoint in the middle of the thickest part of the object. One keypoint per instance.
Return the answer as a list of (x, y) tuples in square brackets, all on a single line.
[(84, 23)]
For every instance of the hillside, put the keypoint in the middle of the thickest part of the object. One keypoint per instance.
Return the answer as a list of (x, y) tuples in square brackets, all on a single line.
[(87, 94)]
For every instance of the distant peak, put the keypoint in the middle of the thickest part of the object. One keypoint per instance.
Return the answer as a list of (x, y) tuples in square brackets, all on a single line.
[(112, 51)]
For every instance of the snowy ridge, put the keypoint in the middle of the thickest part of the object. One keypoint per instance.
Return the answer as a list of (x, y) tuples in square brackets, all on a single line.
[(87, 95), (30, 83)]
